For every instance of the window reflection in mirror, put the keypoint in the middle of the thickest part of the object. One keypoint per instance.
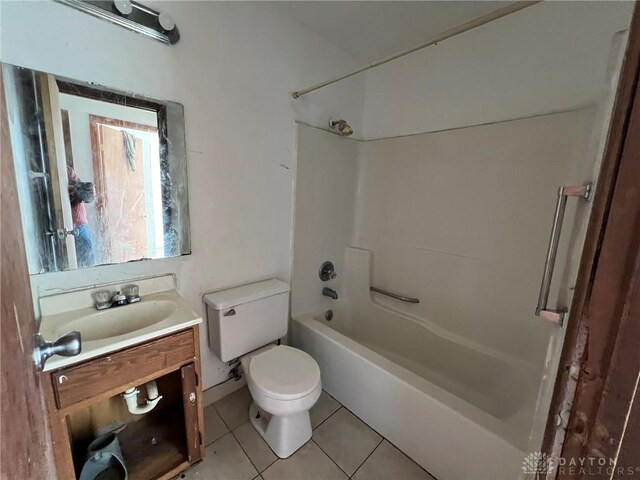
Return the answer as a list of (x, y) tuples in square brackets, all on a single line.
[(102, 174)]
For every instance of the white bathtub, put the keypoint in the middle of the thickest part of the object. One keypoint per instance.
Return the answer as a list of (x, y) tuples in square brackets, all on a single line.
[(458, 410)]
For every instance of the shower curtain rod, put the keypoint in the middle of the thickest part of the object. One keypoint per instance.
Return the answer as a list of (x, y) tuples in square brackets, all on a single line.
[(489, 17)]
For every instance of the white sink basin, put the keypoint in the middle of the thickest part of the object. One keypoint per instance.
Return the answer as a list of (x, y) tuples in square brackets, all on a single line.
[(118, 321), (104, 331)]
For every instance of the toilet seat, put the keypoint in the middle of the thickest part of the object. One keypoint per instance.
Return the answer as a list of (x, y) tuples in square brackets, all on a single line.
[(284, 373)]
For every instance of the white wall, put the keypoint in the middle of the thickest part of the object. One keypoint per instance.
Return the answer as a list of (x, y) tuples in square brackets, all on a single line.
[(546, 58), (325, 202), (454, 217), (460, 219), (233, 70)]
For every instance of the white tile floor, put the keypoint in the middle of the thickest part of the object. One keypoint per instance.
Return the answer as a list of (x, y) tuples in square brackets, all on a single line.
[(342, 447)]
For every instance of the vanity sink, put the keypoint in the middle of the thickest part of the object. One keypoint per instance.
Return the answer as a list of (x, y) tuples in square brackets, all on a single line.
[(161, 311), (117, 321)]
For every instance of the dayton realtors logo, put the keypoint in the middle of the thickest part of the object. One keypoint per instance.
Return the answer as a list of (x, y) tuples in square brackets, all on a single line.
[(537, 462), (541, 463)]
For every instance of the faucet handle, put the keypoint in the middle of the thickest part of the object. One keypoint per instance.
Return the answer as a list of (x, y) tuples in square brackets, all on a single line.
[(102, 299), (327, 271), (68, 345), (132, 293)]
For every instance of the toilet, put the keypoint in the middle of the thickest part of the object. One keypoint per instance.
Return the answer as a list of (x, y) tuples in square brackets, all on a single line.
[(245, 323)]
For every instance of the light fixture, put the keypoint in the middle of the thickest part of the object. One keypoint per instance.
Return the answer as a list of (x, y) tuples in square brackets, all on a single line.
[(166, 22), (131, 15), (124, 7)]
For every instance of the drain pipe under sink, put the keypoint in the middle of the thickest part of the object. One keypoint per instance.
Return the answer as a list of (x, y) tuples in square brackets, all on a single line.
[(131, 398)]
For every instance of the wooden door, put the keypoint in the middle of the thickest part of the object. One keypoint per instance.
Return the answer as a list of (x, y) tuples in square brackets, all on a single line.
[(192, 402), (120, 191), (595, 412), (630, 441), (25, 440), (606, 401)]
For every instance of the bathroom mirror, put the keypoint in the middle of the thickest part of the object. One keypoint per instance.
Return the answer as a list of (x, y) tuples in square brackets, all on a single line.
[(101, 173)]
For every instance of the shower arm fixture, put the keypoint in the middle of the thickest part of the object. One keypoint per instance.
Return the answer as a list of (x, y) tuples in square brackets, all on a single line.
[(341, 126), (478, 22), (131, 15)]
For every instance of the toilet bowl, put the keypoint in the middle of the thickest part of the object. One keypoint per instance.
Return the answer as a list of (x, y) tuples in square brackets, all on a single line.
[(284, 383)]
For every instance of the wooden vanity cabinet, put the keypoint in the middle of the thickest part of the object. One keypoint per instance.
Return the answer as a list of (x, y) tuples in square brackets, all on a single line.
[(84, 400)]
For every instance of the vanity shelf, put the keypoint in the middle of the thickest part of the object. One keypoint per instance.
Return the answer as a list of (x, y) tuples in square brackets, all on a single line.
[(159, 435), (166, 429), (84, 401)]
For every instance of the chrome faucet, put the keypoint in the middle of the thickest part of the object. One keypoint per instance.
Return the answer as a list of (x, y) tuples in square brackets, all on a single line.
[(118, 299), (330, 292), (105, 299)]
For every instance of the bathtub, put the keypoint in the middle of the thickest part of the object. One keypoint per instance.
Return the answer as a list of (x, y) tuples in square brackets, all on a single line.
[(458, 410)]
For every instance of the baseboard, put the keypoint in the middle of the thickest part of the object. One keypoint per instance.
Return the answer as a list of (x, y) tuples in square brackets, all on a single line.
[(218, 392)]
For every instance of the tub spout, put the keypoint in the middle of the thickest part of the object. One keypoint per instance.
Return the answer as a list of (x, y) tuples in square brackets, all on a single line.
[(329, 292)]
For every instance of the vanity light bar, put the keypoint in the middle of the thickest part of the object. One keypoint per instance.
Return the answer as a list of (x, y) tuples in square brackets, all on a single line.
[(131, 15)]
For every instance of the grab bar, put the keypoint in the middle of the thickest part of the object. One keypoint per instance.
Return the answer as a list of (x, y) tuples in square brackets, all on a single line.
[(394, 295), (557, 315)]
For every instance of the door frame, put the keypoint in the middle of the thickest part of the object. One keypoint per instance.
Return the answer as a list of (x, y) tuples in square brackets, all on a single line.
[(56, 147), (577, 425), (26, 449), (100, 175)]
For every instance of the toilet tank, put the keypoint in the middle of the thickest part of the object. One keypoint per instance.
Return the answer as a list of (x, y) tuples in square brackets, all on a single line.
[(244, 318)]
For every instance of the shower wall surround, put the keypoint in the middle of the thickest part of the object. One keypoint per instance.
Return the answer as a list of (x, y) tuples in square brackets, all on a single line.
[(325, 203), (459, 219)]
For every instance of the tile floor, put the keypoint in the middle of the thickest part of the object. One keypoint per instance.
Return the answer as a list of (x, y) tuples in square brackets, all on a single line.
[(342, 447)]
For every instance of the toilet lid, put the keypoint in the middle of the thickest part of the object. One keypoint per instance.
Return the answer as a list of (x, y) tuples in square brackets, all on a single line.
[(285, 373)]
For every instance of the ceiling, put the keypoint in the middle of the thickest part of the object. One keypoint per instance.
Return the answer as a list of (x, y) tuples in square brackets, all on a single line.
[(369, 30)]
